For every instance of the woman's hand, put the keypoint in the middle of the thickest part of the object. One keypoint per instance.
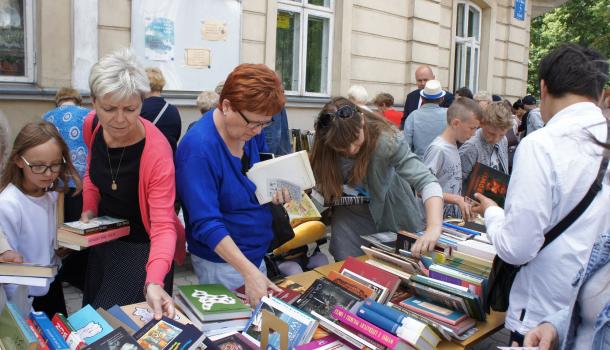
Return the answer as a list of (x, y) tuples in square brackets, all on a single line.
[(465, 209), (544, 336), (257, 286), (11, 256), (482, 204), (281, 196), (86, 216), (160, 302), (426, 242)]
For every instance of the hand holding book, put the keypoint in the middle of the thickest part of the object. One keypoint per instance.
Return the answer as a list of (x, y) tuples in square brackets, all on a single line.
[(160, 302), (258, 286), (482, 204)]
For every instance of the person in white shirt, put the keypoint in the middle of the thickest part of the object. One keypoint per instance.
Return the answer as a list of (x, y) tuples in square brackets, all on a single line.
[(553, 169)]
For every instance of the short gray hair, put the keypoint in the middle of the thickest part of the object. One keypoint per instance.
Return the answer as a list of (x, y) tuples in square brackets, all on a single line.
[(5, 136), (358, 95), (120, 74), (482, 95), (207, 100)]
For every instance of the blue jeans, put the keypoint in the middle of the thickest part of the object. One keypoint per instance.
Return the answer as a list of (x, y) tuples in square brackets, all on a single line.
[(209, 272)]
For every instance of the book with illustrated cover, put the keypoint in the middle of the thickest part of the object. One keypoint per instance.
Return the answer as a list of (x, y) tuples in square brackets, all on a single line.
[(67, 332), (323, 295), (300, 211), (99, 224), (489, 182), (141, 314), (119, 314), (373, 273), (351, 285), (49, 333), (380, 293), (212, 302), (27, 270), (235, 341), (166, 334), (117, 339), (89, 325)]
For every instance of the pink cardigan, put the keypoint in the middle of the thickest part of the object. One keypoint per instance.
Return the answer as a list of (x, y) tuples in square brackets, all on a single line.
[(156, 193)]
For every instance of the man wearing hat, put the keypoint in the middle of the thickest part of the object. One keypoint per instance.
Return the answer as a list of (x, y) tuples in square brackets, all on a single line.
[(427, 122)]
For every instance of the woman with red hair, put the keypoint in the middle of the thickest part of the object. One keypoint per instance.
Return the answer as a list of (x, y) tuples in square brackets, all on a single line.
[(228, 231)]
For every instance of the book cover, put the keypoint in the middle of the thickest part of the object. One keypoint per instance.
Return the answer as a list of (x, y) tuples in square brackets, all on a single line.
[(347, 335), (212, 302), (141, 314), (54, 340), (430, 309), (117, 312), (356, 288), (42, 343), (375, 274), (235, 341), (113, 321), (92, 239), (367, 328), (117, 339), (380, 293), (300, 211), (67, 332), (99, 224), (168, 334), (183, 306), (89, 325), (403, 263), (391, 268), (323, 295), (27, 269), (445, 299), (489, 182), (14, 327), (291, 285)]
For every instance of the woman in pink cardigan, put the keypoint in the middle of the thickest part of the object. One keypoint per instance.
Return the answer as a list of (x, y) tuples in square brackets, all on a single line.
[(130, 175)]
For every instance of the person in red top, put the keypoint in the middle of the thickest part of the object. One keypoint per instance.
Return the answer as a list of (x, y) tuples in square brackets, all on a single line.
[(384, 103), (130, 175)]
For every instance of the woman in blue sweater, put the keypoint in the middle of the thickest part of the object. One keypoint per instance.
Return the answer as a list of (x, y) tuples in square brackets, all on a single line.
[(228, 231)]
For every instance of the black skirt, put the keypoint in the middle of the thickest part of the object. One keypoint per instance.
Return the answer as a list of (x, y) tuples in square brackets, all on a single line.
[(116, 274)]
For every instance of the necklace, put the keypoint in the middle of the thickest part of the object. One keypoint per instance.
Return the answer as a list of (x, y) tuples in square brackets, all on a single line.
[(114, 176)]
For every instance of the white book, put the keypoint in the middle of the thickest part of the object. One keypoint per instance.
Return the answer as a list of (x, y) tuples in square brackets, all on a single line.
[(27, 281), (478, 249), (292, 171)]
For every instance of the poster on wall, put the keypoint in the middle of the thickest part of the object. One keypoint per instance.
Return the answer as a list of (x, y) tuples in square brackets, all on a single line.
[(194, 43)]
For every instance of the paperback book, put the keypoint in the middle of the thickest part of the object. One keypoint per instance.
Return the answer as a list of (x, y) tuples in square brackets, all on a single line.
[(489, 182), (323, 295), (99, 224), (212, 302)]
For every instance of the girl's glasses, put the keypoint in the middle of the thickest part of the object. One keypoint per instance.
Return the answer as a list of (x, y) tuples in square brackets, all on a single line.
[(254, 125), (342, 112), (41, 168)]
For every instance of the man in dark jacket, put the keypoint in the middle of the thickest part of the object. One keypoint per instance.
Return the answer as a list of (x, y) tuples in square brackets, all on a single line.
[(422, 75)]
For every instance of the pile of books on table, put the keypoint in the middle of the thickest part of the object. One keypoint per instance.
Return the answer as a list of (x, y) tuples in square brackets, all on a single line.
[(77, 235)]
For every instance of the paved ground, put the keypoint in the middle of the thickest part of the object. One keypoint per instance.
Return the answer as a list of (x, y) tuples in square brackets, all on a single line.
[(184, 275)]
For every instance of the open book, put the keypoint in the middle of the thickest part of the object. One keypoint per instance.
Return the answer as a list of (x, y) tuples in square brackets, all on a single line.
[(292, 171)]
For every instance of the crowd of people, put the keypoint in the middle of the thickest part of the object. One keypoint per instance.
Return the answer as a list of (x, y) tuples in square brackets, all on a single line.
[(124, 158)]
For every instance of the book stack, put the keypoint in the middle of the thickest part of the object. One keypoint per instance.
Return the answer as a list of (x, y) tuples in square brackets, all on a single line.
[(26, 273), (301, 140), (77, 235)]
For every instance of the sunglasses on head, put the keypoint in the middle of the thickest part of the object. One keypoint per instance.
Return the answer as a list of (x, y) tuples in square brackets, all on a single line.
[(342, 112)]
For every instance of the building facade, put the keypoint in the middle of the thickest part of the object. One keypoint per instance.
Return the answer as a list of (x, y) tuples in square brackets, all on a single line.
[(318, 47)]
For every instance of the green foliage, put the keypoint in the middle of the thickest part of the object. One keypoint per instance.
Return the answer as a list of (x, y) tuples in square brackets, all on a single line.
[(585, 22)]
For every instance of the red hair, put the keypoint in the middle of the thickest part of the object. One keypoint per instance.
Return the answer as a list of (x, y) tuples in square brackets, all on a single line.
[(254, 88)]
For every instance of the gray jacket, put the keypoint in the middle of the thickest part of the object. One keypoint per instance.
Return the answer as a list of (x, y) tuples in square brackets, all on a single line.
[(476, 149), (423, 125), (393, 172)]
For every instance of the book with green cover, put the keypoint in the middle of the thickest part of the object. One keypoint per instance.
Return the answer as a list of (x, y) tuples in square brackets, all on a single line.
[(212, 302), (14, 332)]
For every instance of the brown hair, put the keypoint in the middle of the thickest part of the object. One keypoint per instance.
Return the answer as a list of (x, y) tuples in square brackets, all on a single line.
[(254, 88), (497, 114), (31, 135), (155, 78), (383, 99), (337, 135), (461, 108), (67, 93)]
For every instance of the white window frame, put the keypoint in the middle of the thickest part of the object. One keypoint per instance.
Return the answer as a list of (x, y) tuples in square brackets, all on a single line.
[(30, 55), (305, 10), (472, 43)]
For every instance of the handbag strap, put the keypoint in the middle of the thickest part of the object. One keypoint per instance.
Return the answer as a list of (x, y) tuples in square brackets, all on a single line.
[(584, 203), (161, 113)]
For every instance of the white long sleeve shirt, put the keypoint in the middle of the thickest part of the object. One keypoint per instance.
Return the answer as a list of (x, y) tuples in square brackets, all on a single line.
[(553, 169), (29, 224)]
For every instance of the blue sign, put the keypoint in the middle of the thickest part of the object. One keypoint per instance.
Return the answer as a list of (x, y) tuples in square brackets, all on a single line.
[(519, 10)]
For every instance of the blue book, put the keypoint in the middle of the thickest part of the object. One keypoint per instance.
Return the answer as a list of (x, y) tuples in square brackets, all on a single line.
[(24, 327), (462, 228), (385, 311), (54, 340), (117, 312), (89, 325), (378, 320)]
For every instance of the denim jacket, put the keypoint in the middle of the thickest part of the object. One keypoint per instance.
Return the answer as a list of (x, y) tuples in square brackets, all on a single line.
[(567, 320)]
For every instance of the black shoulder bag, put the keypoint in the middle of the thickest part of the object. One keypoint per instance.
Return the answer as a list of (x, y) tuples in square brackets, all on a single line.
[(503, 274)]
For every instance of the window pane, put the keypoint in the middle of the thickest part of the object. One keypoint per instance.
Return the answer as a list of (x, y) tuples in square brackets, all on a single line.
[(459, 27), (325, 3), (475, 84), (317, 55), (467, 64), (459, 67), (12, 38), (287, 49), (473, 23)]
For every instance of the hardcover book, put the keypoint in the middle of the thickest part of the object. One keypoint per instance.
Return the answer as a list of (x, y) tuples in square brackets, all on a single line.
[(380, 293), (489, 182), (323, 295), (27, 270), (300, 211), (117, 339), (99, 224), (92, 239), (211, 302), (373, 273), (430, 309), (89, 325), (351, 285)]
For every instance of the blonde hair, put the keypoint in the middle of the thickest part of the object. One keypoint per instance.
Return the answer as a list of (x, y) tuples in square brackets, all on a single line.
[(497, 114), (358, 95), (482, 96), (119, 74), (206, 101), (156, 79), (67, 93)]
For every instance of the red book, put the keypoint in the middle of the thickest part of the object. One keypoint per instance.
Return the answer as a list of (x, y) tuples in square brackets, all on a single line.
[(42, 343), (373, 273), (67, 332), (91, 239)]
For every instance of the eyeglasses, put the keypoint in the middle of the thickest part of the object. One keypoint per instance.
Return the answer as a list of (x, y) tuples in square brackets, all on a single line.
[(41, 168), (254, 125), (342, 112)]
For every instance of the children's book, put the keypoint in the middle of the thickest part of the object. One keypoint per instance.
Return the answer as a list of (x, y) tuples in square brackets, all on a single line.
[(300, 211), (235, 341), (489, 182), (117, 339), (89, 325), (168, 334), (99, 224), (211, 302), (141, 314)]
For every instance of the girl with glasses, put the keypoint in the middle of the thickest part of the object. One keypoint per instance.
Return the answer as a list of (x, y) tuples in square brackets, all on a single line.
[(37, 168), (361, 150)]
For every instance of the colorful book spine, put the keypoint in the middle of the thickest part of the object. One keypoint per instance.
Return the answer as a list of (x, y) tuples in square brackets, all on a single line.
[(462, 229), (430, 309), (378, 320), (368, 329), (67, 332), (42, 343), (21, 323), (445, 277), (385, 311), (54, 340)]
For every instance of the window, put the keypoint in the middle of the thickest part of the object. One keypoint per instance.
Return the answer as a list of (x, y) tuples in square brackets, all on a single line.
[(16, 41), (304, 45), (467, 46)]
